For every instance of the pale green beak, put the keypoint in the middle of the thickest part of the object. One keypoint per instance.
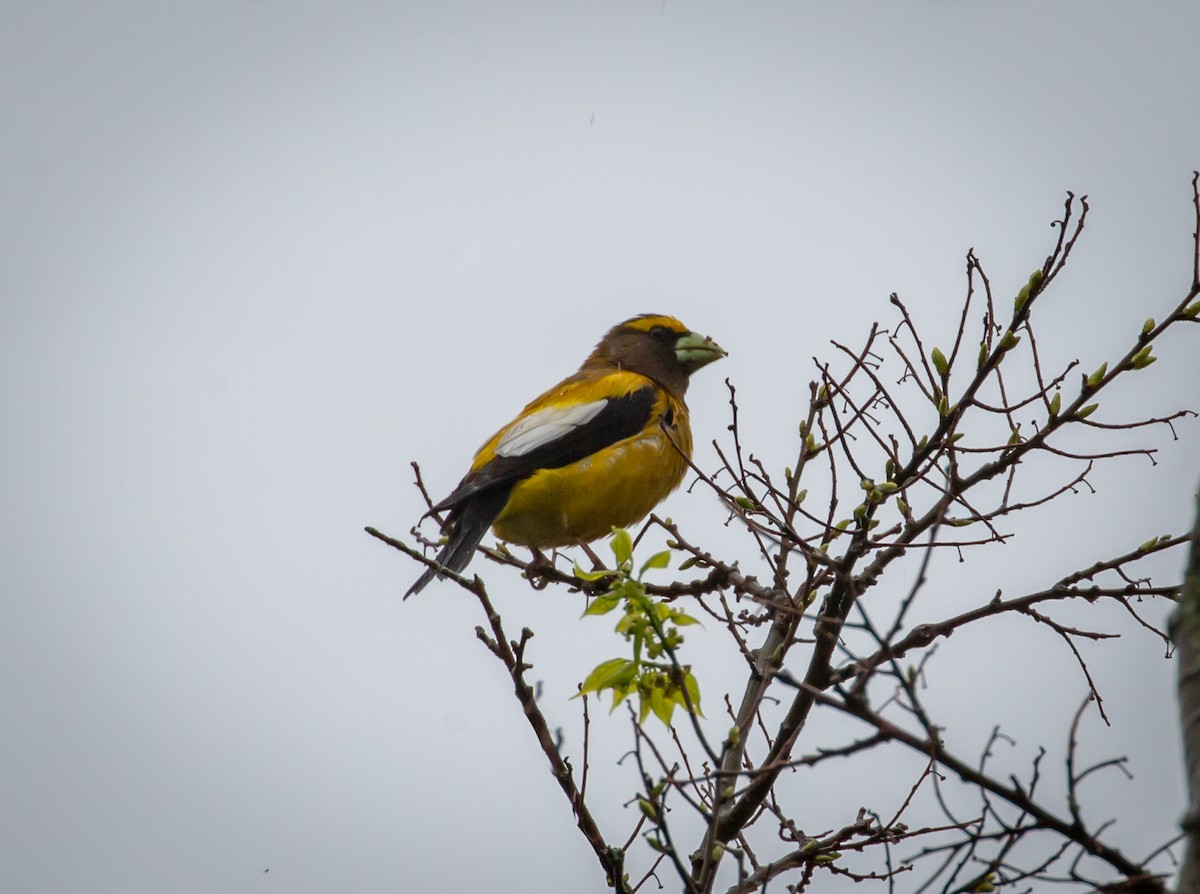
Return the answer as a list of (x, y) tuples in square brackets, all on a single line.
[(694, 350)]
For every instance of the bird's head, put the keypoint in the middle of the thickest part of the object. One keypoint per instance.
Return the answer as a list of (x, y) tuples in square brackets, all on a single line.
[(658, 347)]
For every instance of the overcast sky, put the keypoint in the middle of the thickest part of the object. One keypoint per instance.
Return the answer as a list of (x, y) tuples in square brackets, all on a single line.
[(258, 256)]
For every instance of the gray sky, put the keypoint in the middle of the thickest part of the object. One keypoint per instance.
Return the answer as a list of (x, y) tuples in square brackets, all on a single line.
[(258, 256)]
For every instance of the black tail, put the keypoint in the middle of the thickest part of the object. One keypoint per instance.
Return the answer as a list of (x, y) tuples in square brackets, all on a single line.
[(468, 523)]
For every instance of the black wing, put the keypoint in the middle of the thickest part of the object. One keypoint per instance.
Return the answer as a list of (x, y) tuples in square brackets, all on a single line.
[(481, 496), (620, 418)]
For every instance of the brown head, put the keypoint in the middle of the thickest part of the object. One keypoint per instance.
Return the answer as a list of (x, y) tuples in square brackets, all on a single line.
[(658, 347)]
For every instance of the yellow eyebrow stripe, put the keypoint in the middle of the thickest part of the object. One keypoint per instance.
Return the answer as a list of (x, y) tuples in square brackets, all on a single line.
[(649, 321)]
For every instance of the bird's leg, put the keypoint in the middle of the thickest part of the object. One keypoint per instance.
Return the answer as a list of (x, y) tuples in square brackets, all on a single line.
[(591, 554), (537, 567)]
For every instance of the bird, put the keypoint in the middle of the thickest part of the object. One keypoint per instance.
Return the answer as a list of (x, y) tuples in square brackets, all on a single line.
[(597, 451)]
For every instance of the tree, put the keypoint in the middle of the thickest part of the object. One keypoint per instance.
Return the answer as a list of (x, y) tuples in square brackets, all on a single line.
[(907, 450), (1185, 624)]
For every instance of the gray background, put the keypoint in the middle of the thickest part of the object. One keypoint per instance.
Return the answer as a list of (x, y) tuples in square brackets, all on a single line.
[(257, 256)]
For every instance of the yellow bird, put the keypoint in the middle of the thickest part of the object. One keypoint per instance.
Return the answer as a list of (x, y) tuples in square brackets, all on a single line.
[(599, 450)]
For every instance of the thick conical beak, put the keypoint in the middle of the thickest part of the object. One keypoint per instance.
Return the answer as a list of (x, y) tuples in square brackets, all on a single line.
[(694, 350)]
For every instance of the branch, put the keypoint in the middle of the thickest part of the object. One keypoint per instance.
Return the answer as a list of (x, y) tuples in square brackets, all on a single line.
[(1012, 794), (1185, 631), (512, 655)]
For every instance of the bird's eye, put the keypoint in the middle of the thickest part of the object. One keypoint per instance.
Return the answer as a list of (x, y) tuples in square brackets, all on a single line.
[(663, 332)]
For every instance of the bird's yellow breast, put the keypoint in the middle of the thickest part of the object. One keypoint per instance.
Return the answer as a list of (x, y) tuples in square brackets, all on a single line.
[(614, 487)]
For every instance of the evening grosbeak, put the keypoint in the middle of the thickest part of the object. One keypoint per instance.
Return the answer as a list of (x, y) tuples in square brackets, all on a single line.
[(598, 450)]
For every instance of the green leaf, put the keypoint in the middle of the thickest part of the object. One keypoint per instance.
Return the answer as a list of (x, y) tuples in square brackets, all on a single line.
[(602, 605), (1143, 358), (1148, 326), (1021, 299), (746, 503), (681, 619), (662, 706), (693, 692), (658, 560), (631, 622), (607, 675), (622, 692), (940, 363), (622, 546), (655, 844), (592, 575), (1095, 378), (627, 588), (643, 707), (1087, 411), (1055, 403)]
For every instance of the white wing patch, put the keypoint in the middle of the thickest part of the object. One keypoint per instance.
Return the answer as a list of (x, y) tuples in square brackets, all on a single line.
[(541, 428)]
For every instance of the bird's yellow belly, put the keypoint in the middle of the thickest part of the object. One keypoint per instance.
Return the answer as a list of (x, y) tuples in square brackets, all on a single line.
[(585, 500)]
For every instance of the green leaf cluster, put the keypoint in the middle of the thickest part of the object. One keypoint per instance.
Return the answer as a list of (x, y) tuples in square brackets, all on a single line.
[(651, 627)]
